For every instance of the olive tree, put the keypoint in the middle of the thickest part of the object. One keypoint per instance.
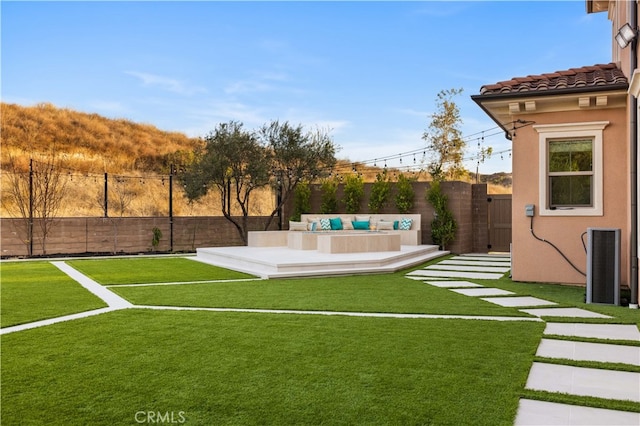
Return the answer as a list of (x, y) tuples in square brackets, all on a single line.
[(296, 156), (236, 162)]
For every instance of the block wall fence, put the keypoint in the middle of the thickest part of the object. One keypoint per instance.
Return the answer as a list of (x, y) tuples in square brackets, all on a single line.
[(133, 235)]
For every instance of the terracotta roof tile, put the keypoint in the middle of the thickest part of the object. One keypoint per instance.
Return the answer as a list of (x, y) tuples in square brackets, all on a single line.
[(589, 76)]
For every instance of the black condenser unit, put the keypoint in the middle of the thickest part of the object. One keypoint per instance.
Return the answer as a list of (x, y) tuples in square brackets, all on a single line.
[(603, 266)]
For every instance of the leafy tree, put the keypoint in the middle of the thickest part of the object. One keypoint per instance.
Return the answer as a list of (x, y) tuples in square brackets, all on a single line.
[(353, 193), (329, 199), (405, 194), (295, 156), (443, 225), (301, 200), (235, 163), (444, 137), (379, 192)]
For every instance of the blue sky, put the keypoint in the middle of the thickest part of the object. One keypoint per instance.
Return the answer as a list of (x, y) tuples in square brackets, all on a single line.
[(368, 71)]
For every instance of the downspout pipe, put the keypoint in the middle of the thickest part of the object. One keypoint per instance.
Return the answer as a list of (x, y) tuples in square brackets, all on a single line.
[(633, 138)]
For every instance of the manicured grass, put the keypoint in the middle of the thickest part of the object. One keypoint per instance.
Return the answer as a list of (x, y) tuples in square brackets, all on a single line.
[(227, 368), (152, 270), (33, 291), (244, 368), (364, 293)]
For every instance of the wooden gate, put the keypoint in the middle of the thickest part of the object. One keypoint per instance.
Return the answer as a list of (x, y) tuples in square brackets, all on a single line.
[(499, 222)]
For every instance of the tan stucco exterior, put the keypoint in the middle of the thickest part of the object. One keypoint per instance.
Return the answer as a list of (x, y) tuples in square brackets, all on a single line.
[(533, 260), (534, 115)]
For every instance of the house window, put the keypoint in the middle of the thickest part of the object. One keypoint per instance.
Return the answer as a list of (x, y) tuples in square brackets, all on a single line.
[(570, 173), (570, 169)]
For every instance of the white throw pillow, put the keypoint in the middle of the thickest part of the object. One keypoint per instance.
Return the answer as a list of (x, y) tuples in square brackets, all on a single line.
[(363, 218), (346, 223), (298, 226), (385, 225)]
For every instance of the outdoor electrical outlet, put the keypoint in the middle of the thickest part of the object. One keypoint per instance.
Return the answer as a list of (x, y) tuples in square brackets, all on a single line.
[(529, 210)]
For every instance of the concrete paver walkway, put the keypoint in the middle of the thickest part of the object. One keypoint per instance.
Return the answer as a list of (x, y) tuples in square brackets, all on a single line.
[(556, 378), (584, 351), (595, 331), (542, 413)]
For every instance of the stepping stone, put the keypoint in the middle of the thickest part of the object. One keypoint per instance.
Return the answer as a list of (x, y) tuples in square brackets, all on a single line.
[(417, 278), (581, 351), (465, 268), (457, 274), (452, 284), (518, 301), (472, 263), (596, 331), (483, 258), (476, 292), (607, 384), (563, 312), (532, 412)]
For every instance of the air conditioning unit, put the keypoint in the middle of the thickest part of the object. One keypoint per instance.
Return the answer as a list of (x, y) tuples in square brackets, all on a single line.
[(603, 266)]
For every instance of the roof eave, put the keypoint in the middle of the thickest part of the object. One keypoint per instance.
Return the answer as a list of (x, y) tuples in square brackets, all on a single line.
[(539, 93)]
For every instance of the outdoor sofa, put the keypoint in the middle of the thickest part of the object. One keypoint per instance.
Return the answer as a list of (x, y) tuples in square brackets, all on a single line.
[(408, 226)]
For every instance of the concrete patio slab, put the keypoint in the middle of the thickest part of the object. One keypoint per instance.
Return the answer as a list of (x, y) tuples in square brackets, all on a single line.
[(465, 268), (452, 284), (283, 262), (518, 301), (456, 274), (583, 351), (608, 384), (563, 312), (477, 292), (595, 331), (531, 412)]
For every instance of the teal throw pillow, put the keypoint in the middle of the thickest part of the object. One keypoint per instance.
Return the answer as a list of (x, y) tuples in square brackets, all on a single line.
[(396, 224), (363, 224), (336, 224)]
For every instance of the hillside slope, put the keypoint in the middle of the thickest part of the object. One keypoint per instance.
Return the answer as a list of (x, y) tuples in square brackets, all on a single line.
[(133, 160), (89, 141)]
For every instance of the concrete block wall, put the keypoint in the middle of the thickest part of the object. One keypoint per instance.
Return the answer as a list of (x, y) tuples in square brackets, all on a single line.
[(128, 235), (122, 235)]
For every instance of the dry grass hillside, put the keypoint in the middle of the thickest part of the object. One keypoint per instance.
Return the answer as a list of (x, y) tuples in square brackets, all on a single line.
[(91, 143), (136, 158)]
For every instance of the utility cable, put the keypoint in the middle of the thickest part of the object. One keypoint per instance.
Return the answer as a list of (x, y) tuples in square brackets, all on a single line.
[(556, 248)]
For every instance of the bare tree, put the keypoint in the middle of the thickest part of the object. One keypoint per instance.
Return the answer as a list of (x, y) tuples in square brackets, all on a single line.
[(36, 194)]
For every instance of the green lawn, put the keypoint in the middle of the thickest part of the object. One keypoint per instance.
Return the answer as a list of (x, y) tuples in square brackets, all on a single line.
[(152, 270), (33, 291), (228, 368), (365, 293), (251, 368)]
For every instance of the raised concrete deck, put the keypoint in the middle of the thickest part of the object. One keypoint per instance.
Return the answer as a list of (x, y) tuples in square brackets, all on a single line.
[(282, 262)]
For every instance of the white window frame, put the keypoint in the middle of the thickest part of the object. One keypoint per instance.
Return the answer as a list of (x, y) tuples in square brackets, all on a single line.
[(550, 132)]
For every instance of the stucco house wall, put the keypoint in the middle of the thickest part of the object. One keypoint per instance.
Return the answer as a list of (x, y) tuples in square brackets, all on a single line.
[(534, 260)]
